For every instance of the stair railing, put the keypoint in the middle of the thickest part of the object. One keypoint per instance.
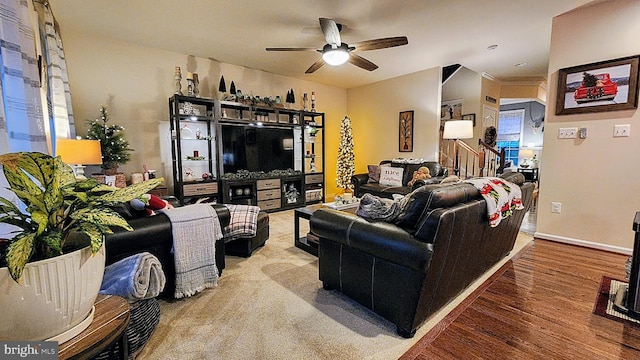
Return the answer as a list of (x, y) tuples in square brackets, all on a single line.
[(466, 162)]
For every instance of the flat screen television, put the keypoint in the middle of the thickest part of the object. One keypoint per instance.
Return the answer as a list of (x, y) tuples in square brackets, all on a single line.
[(256, 148)]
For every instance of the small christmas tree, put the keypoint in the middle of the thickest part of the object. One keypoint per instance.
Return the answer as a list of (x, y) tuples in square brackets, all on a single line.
[(114, 147), (346, 160), (222, 87), (589, 79)]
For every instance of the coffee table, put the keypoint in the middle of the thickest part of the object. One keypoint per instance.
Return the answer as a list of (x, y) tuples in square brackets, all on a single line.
[(309, 243)]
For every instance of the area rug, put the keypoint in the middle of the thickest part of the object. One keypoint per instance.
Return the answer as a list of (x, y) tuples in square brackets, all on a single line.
[(272, 306), (604, 302)]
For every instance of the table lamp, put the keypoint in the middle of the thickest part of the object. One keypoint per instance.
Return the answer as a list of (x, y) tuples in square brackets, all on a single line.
[(456, 130), (78, 152), (526, 154)]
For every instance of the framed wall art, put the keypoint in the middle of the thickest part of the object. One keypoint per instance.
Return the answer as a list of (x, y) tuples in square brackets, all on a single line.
[(405, 122), (603, 86), (451, 109)]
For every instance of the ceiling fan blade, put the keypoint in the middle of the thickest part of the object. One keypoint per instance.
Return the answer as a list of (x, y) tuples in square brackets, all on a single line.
[(361, 62), (330, 31), (290, 49), (380, 43), (316, 65)]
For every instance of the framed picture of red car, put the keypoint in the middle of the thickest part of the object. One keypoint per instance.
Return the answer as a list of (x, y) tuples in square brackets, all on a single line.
[(603, 86)]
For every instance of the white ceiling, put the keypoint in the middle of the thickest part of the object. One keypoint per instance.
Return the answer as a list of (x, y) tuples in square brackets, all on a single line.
[(440, 32)]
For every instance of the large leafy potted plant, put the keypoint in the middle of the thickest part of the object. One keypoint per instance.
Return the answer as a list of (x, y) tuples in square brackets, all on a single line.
[(57, 227)]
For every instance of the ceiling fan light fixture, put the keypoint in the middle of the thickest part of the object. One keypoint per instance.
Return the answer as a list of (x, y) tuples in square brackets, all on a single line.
[(337, 56)]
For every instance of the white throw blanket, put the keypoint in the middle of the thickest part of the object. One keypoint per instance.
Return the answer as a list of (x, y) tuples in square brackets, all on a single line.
[(502, 197), (195, 229)]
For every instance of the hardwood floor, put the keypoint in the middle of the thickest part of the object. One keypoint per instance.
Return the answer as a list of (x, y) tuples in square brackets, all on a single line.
[(540, 307)]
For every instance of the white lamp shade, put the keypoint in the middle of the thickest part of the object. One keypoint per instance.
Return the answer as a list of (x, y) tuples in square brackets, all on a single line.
[(82, 152), (526, 153), (458, 129)]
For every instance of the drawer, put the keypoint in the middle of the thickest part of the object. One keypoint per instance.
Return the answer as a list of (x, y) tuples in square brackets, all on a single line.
[(269, 204), (200, 189), (268, 184), (313, 195), (313, 179), (269, 194)]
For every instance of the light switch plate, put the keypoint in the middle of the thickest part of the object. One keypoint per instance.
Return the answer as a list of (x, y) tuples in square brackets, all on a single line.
[(622, 130), (568, 133)]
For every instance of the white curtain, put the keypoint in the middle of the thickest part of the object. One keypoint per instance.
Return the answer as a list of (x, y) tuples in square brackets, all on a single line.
[(22, 125), (58, 96), (35, 106)]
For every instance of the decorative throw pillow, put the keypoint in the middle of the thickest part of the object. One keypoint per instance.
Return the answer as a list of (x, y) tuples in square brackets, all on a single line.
[(374, 173), (391, 176)]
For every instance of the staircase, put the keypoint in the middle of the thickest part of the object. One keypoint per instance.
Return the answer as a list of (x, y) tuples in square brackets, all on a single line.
[(466, 162)]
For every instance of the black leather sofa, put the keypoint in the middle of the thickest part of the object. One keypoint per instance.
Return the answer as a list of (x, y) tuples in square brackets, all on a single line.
[(153, 234), (407, 270), (361, 184)]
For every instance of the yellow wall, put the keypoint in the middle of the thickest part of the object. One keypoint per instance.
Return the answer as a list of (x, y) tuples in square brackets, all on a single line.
[(595, 179), (374, 111), (135, 82), (535, 90)]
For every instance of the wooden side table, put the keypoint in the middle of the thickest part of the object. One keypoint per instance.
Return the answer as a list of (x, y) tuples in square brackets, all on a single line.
[(110, 319), (304, 242), (309, 243)]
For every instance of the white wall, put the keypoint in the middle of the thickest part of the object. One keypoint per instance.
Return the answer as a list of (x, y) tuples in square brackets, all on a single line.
[(374, 111), (595, 179), (135, 82), (466, 84)]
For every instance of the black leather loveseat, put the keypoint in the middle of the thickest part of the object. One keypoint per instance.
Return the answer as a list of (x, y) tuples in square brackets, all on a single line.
[(363, 183), (407, 270), (153, 234)]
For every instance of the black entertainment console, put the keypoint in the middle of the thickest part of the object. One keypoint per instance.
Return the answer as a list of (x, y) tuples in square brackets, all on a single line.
[(215, 144)]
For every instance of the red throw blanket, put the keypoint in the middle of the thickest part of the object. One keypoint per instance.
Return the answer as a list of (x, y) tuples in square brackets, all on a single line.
[(502, 197)]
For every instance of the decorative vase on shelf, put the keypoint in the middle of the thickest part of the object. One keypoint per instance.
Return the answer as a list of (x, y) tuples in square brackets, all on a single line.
[(196, 91), (188, 174), (178, 78), (190, 87), (185, 132)]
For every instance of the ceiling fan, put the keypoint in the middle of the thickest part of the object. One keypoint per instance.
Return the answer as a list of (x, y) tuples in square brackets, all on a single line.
[(335, 52)]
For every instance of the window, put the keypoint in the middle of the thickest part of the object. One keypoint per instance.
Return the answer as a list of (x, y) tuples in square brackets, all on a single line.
[(510, 133)]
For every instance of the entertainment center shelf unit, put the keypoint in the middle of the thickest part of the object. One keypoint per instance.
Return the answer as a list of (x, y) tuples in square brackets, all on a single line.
[(231, 152)]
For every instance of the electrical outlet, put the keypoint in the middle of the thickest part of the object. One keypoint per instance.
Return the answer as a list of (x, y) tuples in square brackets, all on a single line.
[(556, 207), (622, 130), (568, 133)]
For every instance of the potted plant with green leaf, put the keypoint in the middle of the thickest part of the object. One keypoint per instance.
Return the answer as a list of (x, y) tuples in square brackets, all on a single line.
[(57, 227)]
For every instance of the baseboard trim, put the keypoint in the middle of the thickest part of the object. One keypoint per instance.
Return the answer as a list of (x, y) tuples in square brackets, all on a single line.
[(583, 243)]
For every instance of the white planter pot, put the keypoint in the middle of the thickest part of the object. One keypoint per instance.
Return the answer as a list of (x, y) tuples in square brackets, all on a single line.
[(55, 299)]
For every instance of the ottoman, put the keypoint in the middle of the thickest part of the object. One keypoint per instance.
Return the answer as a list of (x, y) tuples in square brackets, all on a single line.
[(244, 247)]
